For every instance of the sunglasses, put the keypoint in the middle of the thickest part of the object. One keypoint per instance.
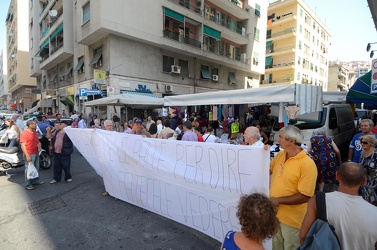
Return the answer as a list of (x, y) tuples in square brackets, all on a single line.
[(364, 142)]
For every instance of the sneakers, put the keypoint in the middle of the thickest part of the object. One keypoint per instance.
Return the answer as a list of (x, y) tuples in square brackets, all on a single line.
[(30, 188), (69, 180), (53, 182), (105, 193)]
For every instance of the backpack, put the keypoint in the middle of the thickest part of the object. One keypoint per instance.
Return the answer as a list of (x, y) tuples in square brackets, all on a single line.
[(321, 235)]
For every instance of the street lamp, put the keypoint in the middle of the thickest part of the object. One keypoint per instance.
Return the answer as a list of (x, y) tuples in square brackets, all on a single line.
[(368, 46), (372, 53)]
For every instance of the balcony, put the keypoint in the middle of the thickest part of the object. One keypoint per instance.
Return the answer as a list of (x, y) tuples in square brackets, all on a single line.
[(190, 5), (279, 66), (54, 19), (236, 9), (182, 39), (280, 51), (221, 51), (282, 34), (284, 18)]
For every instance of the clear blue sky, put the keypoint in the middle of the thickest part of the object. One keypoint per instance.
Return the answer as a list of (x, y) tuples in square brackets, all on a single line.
[(349, 21)]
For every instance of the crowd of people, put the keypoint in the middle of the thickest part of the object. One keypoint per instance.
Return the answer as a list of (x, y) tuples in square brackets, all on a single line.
[(295, 174)]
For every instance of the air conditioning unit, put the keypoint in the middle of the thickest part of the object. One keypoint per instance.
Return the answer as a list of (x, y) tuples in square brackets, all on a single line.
[(175, 69), (168, 88), (215, 78)]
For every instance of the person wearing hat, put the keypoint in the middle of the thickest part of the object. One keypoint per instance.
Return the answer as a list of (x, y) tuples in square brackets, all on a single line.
[(188, 135), (63, 148), (138, 129)]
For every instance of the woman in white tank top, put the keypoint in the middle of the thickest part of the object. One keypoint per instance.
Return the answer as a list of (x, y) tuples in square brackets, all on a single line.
[(12, 132)]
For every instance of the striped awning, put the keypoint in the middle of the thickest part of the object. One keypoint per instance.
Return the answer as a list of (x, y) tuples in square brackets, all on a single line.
[(138, 93)]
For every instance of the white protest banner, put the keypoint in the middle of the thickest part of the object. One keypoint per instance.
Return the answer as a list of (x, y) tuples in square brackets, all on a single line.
[(196, 184)]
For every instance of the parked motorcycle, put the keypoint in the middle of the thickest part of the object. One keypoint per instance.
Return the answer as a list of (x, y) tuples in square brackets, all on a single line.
[(11, 158)]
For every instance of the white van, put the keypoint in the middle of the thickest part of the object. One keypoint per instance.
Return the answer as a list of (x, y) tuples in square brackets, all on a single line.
[(336, 119)]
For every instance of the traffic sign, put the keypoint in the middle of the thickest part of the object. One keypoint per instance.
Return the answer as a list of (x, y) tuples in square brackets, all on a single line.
[(86, 92)]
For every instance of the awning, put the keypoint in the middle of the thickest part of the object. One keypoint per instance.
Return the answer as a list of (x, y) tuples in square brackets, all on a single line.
[(211, 32), (360, 92), (268, 60), (138, 93), (34, 103), (268, 43), (70, 100), (79, 65), (57, 31), (232, 78), (204, 72), (175, 15), (43, 46), (96, 57)]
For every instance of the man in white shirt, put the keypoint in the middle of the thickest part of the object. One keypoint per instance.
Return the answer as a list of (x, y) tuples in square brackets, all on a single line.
[(74, 115), (149, 122), (208, 136), (252, 137), (354, 219), (82, 122)]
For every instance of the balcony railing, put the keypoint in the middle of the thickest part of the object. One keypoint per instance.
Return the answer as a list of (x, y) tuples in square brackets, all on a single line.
[(182, 39), (269, 50), (284, 32), (188, 5), (57, 47), (221, 51), (54, 19)]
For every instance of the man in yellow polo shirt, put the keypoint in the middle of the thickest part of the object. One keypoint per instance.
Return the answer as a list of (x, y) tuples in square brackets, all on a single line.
[(293, 180)]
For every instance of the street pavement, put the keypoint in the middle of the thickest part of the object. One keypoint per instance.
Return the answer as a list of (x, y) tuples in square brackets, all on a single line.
[(76, 216)]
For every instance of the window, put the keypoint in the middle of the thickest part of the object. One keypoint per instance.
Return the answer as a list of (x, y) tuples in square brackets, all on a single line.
[(184, 67), (31, 4), (31, 43), (97, 58), (215, 71), (167, 62), (299, 44), (232, 78), (268, 34), (257, 9), (86, 13), (80, 68), (256, 34), (255, 59), (300, 28), (298, 76), (204, 72), (301, 12), (299, 60)]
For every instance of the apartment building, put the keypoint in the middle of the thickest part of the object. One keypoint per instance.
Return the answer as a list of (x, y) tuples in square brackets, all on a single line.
[(157, 48), (20, 84), (52, 51), (3, 80), (341, 76), (297, 45), (361, 68)]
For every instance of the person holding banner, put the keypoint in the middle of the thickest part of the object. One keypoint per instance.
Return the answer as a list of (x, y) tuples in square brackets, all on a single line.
[(138, 129), (257, 216), (252, 137), (293, 181)]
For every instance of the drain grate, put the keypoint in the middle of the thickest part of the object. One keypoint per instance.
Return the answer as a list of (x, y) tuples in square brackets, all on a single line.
[(46, 205)]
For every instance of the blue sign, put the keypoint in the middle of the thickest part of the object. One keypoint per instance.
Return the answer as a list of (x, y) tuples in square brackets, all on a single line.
[(86, 92), (374, 87), (82, 92)]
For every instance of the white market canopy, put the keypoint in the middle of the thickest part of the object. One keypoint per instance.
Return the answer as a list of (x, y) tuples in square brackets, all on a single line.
[(308, 97), (130, 100)]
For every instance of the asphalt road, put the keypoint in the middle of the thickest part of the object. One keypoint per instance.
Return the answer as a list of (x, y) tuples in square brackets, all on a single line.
[(76, 216)]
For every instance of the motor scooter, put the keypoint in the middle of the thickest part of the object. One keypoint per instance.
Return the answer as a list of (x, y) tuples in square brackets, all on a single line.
[(11, 158)]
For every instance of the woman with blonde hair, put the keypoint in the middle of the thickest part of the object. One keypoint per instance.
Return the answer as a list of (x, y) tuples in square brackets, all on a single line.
[(368, 159)]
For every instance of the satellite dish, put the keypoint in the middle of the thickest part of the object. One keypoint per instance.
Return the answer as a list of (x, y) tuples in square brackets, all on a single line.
[(53, 13), (13, 55)]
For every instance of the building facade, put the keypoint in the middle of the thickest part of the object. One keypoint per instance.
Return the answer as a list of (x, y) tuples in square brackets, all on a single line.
[(161, 48), (4, 96), (341, 76), (297, 45), (20, 84)]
